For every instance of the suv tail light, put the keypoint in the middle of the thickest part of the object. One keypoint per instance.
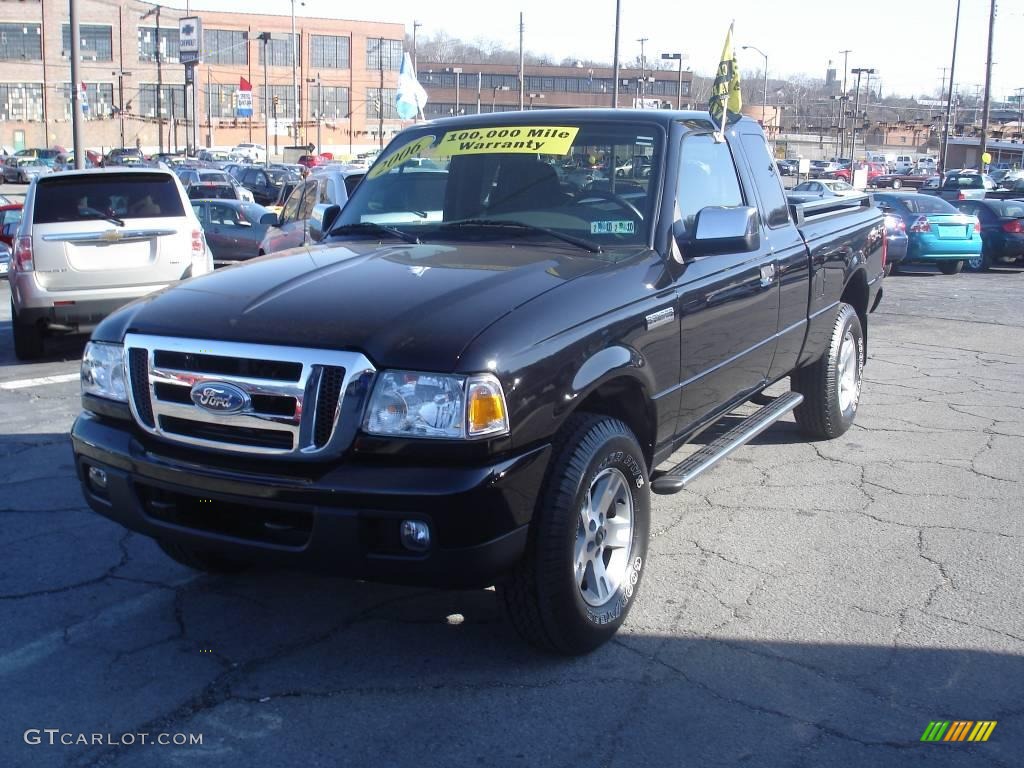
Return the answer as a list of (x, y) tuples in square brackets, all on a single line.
[(198, 246), (921, 225), (961, 196), (1013, 227), (23, 255)]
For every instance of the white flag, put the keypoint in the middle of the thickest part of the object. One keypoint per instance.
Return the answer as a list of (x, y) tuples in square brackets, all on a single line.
[(410, 98)]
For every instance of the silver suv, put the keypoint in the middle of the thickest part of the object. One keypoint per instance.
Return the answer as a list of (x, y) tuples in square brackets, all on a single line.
[(91, 241)]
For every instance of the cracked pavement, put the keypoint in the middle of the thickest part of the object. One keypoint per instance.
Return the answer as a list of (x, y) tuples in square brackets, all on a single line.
[(804, 604)]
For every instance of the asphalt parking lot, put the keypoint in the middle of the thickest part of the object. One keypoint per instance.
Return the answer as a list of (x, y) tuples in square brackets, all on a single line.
[(804, 604)]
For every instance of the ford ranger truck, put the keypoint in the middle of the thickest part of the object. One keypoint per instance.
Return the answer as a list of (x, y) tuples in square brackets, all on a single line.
[(477, 372)]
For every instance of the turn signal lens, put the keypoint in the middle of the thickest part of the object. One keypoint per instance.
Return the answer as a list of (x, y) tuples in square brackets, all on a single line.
[(486, 414)]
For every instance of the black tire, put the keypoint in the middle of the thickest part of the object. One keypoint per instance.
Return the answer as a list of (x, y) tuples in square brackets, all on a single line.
[(542, 597), (200, 559), (951, 267), (981, 264), (28, 338), (821, 414)]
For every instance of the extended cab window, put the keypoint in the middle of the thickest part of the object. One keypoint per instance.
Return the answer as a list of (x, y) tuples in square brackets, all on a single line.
[(762, 166), (707, 177)]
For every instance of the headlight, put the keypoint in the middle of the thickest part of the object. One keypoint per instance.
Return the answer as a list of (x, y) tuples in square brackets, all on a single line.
[(432, 405), (103, 371)]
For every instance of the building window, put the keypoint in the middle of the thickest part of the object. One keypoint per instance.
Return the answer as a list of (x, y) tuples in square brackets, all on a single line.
[(334, 99), (392, 51), (285, 100), (20, 42), (225, 46), (221, 100), (279, 52), (21, 101), (168, 44), (329, 52), (172, 100), (95, 42), (98, 100), (373, 103)]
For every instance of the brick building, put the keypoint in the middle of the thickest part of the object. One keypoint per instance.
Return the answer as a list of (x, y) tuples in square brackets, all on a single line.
[(119, 74)]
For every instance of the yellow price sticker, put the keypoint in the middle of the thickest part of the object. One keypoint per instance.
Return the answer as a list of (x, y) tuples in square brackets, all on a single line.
[(418, 148), (527, 139)]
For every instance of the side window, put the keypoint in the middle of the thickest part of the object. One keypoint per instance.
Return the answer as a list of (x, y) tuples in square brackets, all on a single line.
[(707, 177), (309, 197), (223, 214), (200, 211), (253, 178), (325, 190), (291, 208), (769, 188)]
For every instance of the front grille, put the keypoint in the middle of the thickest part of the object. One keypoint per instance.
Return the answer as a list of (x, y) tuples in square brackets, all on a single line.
[(327, 404), (293, 396), (138, 364)]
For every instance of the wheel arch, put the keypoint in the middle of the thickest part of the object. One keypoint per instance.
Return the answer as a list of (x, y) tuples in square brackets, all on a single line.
[(856, 294)]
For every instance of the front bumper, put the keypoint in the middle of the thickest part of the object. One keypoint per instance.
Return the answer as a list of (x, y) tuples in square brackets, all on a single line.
[(341, 519)]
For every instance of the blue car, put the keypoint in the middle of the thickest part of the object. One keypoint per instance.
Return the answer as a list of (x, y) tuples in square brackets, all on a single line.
[(937, 233), (1002, 231)]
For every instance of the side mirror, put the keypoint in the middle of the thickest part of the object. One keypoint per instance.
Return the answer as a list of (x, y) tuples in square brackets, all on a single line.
[(270, 220), (725, 230), (323, 217)]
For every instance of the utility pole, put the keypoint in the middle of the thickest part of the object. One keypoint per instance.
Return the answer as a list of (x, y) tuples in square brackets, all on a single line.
[(121, 75), (856, 115), (209, 112), (615, 62), (76, 86), (159, 87), (949, 97), (680, 57), (264, 38), (479, 86), (1020, 111), (522, 72), (380, 99), (415, 25), (642, 86), (842, 104), (988, 87), (319, 107), (295, 83)]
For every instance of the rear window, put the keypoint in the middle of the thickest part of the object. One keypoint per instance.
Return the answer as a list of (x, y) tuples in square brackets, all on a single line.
[(927, 204), (965, 180), (211, 192), (1008, 209), (126, 196)]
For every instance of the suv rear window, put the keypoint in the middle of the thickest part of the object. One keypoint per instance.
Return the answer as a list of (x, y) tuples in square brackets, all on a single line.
[(124, 195)]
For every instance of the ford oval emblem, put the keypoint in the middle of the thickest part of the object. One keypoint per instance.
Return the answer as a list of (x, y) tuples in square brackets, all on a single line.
[(219, 397)]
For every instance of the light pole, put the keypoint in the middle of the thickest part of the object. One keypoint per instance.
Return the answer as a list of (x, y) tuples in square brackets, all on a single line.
[(264, 38), (159, 79), (615, 60), (858, 71), (494, 93), (319, 108), (680, 57), (842, 103), (415, 25), (295, 83), (949, 97), (121, 75), (535, 96), (479, 86), (458, 72), (643, 69), (764, 98)]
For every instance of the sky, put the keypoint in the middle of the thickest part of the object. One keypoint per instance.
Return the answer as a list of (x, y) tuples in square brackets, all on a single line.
[(907, 41)]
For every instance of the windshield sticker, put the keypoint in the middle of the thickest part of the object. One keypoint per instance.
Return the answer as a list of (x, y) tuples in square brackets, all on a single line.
[(531, 139), (611, 228), (418, 148)]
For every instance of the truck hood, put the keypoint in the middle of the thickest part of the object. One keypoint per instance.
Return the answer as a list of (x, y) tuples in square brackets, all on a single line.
[(408, 306)]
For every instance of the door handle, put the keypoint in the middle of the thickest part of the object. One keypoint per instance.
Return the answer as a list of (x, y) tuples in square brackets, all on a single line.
[(767, 275)]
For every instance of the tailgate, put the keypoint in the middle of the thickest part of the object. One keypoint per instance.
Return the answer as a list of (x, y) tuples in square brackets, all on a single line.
[(101, 255), (110, 230)]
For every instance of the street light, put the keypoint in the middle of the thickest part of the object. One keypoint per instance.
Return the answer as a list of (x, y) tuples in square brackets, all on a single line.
[(535, 96), (858, 71), (494, 93), (319, 108), (764, 101), (458, 72), (679, 57)]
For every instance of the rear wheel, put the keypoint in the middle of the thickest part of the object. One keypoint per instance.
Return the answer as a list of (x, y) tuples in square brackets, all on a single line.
[(951, 267), (588, 540), (28, 338), (981, 262), (831, 386), (897, 184)]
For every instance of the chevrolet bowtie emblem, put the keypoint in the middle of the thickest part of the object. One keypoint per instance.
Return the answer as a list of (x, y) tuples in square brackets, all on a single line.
[(112, 235)]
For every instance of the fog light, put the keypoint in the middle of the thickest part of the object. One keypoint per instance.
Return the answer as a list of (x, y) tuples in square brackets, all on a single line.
[(97, 478), (415, 535)]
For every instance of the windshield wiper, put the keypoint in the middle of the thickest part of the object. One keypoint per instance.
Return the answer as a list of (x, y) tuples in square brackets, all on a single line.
[(92, 213), (374, 227), (579, 242)]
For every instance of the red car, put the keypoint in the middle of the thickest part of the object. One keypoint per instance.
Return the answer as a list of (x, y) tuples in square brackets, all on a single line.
[(311, 161), (10, 214), (874, 171)]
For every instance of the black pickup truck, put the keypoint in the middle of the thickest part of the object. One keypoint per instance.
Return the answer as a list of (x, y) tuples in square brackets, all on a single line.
[(476, 375)]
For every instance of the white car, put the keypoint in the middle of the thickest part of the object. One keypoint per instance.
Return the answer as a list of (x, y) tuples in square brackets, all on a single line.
[(91, 241), (257, 153)]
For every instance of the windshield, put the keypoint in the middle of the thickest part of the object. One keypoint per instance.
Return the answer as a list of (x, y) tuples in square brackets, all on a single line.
[(278, 177), (586, 180)]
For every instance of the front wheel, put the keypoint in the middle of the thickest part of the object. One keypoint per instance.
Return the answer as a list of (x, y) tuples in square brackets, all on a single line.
[(831, 386), (897, 184), (588, 540), (951, 267)]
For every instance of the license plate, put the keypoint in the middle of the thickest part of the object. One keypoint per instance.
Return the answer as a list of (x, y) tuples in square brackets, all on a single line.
[(953, 231)]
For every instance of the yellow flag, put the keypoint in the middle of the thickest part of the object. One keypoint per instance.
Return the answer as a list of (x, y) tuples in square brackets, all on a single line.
[(726, 101)]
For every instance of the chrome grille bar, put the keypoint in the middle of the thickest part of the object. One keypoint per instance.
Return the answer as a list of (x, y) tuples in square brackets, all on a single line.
[(313, 431)]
